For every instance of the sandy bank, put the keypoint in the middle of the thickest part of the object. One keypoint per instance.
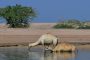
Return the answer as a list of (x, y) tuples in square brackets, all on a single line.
[(11, 36), (25, 36)]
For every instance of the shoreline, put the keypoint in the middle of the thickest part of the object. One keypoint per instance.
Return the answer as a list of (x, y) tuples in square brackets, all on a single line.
[(78, 47)]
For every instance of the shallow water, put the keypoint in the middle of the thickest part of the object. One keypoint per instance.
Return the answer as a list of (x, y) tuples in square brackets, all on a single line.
[(16, 53)]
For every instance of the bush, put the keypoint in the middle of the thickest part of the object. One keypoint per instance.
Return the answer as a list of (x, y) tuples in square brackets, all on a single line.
[(84, 27), (70, 24), (72, 21), (17, 16), (63, 26)]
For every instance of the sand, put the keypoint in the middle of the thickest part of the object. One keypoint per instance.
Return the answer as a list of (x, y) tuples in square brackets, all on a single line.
[(19, 36)]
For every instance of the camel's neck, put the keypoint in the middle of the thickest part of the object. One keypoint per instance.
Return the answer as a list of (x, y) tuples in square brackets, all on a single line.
[(34, 44)]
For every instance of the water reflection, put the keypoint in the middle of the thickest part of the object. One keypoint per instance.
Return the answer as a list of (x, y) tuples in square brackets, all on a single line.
[(13, 54), (36, 54), (59, 56), (51, 56)]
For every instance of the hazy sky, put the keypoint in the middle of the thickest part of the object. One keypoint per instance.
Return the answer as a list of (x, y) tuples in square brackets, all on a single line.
[(55, 10)]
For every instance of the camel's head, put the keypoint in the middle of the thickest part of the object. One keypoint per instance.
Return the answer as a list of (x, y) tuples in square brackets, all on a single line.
[(30, 45)]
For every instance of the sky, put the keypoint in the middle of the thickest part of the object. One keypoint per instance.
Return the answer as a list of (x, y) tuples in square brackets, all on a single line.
[(55, 10)]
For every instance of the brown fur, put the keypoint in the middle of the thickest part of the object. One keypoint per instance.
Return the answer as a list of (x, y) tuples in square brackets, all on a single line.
[(65, 47)]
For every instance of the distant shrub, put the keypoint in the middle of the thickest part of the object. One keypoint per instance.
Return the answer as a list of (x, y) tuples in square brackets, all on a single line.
[(72, 24), (72, 21), (62, 26), (84, 27)]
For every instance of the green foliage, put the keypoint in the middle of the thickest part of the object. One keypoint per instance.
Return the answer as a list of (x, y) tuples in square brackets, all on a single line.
[(72, 21), (72, 24), (62, 26), (84, 27), (17, 16)]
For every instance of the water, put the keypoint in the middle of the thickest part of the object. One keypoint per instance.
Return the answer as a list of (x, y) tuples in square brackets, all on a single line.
[(16, 53)]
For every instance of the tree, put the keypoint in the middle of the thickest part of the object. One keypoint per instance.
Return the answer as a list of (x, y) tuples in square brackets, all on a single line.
[(17, 16)]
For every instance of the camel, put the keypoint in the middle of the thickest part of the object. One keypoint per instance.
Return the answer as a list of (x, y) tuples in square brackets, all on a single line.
[(64, 47), (46, 40)]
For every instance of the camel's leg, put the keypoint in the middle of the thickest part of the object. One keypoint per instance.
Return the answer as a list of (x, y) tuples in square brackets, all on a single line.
[(43, 46), (54, 46), (51, 47), (46, 47)]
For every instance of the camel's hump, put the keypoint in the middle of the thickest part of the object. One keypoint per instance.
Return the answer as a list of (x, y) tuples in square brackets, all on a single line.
[(49, 36)]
